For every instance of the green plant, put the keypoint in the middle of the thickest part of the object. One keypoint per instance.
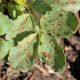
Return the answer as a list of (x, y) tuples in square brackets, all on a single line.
[(30, 30)]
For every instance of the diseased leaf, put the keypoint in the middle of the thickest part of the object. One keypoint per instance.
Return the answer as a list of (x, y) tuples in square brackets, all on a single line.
[(46, 50), (19, 56), (59, 23), (5, 46), (12, 27), (21, 36), (31, 36), (18, 26), (50, 52)]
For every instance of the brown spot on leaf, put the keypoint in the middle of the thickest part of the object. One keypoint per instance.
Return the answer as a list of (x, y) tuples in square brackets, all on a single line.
[(60, 14)]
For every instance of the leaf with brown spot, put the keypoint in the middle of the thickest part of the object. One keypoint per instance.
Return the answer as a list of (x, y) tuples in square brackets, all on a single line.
[(51, 53), (19, 56), (65, 23)]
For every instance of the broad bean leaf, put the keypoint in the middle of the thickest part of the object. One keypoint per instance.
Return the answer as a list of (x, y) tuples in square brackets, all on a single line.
[(17, 27), (29, 42), (12, 27), (59, 22), (41, 6), (19, 56), (50, 52), (5, 46)]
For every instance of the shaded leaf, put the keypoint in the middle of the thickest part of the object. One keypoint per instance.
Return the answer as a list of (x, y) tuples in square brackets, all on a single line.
[(60, 58)]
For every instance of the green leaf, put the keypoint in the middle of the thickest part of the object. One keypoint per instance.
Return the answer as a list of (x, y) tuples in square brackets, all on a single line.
[(19, 56), (51, 53), (59, 22), (5, 24), (41, 6), (5, 46)]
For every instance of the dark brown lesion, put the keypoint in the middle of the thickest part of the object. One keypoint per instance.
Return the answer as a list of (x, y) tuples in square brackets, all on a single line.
[(61, 14)]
